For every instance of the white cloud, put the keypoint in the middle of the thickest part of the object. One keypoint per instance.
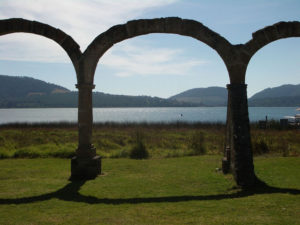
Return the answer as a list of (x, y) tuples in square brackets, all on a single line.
[(131, 60), (84, 20), (21, 47), (81, 19)]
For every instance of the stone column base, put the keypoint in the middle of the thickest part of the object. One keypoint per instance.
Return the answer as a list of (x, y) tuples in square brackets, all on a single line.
[(225, 165), (226, 161), (84, 169)]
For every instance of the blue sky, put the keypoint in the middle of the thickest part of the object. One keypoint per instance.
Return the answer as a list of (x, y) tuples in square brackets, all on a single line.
[(155, 64)]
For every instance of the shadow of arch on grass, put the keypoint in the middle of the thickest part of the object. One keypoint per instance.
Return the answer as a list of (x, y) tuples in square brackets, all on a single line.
[(70, 192)]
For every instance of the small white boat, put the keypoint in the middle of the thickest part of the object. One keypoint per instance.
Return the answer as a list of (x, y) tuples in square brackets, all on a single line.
[(292, 120)]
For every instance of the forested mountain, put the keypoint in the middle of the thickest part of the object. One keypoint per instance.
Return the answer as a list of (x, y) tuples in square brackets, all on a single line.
[(284, 95), (211, 96), (25, 92), (19, 87), (107, 100), (287, 90), (289, 101)]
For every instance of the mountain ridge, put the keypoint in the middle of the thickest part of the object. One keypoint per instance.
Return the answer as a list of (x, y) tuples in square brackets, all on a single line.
[(285, 90), (211, 96), (20, 86), (25, 92)]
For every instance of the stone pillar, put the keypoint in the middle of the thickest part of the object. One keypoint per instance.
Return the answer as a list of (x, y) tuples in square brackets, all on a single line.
[(85, 165), (227, 147), (241, 164)]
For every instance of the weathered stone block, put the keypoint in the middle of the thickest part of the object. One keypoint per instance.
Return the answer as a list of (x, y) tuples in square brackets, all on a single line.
[(195, 29), (241, 153), (140, 27), (117, 33), (70, 45), (271, 33), (226, 161), (296, 28), (173, 25), (38, 28), (59, 36), (85, 168), (259, 37)]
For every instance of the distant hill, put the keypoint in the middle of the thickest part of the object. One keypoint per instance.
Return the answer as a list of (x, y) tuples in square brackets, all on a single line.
[(284, 95), (19, 87), (287, 90), (25, 92), (275, 102), (107, 100), (211, 96)]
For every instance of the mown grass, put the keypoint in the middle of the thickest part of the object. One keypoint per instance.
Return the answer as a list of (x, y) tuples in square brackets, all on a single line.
[(113, 140), (186, 190)]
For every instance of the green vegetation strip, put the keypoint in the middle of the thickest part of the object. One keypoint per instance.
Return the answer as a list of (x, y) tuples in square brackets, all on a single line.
[(158, 140), (186, 190)]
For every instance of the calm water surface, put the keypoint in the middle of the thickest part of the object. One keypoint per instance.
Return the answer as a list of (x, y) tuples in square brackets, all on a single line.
[(189, 114)]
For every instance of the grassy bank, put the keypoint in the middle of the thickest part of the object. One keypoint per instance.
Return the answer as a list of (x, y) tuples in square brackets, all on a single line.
[(113, 140), (186, 190)]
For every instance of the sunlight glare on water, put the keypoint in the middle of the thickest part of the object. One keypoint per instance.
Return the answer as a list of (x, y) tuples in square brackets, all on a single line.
[(187, 114)]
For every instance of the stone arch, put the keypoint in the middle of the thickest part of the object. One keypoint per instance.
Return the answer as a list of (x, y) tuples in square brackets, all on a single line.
[(271, 33), (16, 25), (240, 163), (171, 25)]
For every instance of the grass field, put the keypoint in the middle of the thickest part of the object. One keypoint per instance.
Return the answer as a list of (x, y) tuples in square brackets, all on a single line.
[(178, 184), (185, 190)]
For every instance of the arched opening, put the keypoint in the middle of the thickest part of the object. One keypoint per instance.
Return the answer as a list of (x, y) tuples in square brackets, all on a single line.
[(157, 49), (38, 74), (160, 65), (171, 25), (274, 65), (273, 81), (27, 55), (136, 28), (88, 63)]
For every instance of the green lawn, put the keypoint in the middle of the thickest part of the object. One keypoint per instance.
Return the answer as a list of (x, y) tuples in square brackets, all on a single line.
[(185, 190)]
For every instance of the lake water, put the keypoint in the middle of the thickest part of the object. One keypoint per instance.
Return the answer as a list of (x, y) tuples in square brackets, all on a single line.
[(189, 114)]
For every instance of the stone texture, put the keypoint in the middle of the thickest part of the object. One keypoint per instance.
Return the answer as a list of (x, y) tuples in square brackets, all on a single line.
[(241, 150), (172, 25), (21, 25), (85, 121), (272, 33), (226, 161)]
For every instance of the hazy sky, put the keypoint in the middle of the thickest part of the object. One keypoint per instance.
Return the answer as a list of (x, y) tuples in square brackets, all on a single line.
[(155, 64)]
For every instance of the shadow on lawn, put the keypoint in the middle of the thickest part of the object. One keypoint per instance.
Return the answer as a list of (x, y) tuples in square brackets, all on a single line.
[(70, 192)]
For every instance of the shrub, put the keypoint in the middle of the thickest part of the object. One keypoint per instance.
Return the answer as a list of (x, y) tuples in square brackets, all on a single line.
[(106, 143), (197, 143), (121, 153), (2, 141), (284, 147), (4, 153), (26, 153), (260, 146), (139, 150)]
